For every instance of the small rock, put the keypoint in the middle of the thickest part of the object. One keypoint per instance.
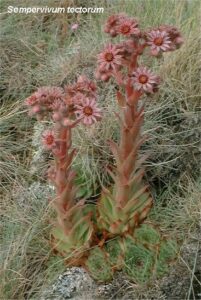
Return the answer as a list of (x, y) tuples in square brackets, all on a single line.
[(73, 283)]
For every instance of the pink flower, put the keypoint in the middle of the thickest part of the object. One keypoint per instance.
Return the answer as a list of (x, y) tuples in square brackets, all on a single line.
[(57, 104), (144, 80), (174, 35), (112, 24), (159, 41), (128, 27), (74, 27), (110, 59), (56, 92), (47, 94), (83, 86), (79, 98), (42, 94), (164, 38), (88, 111), (48, 139), (86, 85)]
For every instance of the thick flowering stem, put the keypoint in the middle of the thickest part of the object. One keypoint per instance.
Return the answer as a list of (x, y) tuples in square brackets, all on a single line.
[(66, 108), (64, 176), (65, 137), (130, 141)]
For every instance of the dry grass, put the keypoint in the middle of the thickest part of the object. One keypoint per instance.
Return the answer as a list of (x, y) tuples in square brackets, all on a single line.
[(41, 51)]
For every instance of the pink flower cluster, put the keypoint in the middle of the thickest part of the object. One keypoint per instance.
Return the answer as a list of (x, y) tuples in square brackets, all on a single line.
[(81, 99), (124, 54), (121, 24), (66, 107), (40, 103)]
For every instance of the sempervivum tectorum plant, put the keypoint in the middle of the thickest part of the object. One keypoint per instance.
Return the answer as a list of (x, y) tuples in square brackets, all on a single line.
[(73, 231), (124, 206)]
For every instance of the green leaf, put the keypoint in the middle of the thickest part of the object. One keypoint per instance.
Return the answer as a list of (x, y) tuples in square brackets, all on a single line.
[(62, 243), (104, 217), (136, 203), (81, 230)]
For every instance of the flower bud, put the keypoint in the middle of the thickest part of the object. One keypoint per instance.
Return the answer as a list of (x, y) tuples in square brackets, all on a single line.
[(35, 109), (66, 122), (56, 117)]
